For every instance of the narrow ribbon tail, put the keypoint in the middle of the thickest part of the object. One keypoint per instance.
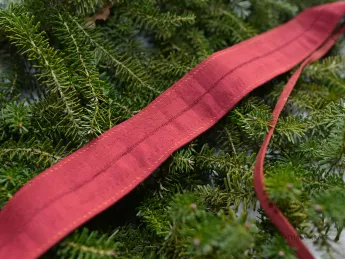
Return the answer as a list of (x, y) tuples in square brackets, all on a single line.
[(271, 209)]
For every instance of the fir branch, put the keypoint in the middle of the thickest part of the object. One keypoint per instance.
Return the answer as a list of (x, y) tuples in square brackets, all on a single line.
[(169, 69), (16, 116), (199, 43), (148, 17), (25, 34), (331, 203), (88, 244), (82, 62), (91, 250), (283, 6), (84, 7), (12, 177), (191, 204), (32, 151), (241, 8), (125, 67), (225, 22), (39, 153), (291, 128)]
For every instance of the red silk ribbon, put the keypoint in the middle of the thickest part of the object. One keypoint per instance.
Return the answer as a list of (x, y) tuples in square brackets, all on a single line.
[(99, 174)]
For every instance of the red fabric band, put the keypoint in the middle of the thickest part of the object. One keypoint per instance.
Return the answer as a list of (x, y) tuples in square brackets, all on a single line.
[(270, 208), (63, 197)]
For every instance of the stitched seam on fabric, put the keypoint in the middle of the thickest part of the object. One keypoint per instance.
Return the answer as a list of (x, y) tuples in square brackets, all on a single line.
[(274, 212), (75, 221), (129, 149), (77, 153), (188, 108), (118, 127), (143, 174), (105, 204)]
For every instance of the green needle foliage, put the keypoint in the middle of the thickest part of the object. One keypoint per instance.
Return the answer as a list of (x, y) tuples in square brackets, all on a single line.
[(65, 80)]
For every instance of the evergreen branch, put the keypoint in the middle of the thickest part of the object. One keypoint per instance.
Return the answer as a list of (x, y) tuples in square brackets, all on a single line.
[(124, 71), (225, 22), (91, 250), (154, 217), (182, 160), (229, 139), (88, 244), (12, 177), (283, 6), (241, 8), (86, 65), (84, 7), (190, 207), (17, 116), (240, 25), (148, 17), (31, 151), (333, 64), (23, 33), (217, 198), (331, 203), (199, 43), (41, 153), (169, 69), (292, 128)]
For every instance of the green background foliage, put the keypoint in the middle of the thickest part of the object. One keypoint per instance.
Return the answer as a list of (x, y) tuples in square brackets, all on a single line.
[(62, 83)]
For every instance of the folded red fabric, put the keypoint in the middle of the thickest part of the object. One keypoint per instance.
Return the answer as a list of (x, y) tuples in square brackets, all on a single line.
[(96, 176)]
